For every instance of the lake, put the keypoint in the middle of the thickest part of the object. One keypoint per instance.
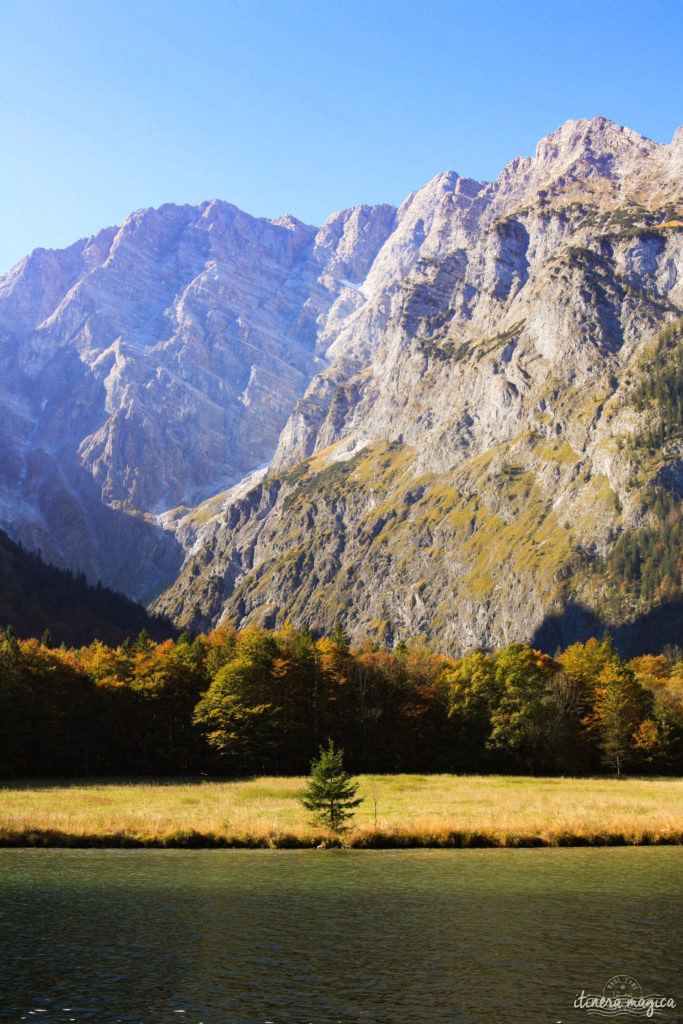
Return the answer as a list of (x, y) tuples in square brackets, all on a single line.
[(290, 937)]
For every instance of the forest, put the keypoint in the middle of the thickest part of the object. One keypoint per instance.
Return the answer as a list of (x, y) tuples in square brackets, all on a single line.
[(257, 702), (36, 597)]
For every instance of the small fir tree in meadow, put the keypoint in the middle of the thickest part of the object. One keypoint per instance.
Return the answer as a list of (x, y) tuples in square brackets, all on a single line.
[(331, 793)]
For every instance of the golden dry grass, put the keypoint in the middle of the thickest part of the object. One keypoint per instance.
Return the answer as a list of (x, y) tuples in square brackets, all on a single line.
[(397, 810)]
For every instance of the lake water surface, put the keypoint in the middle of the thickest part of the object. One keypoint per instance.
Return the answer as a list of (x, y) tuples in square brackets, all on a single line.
[(402, 937)]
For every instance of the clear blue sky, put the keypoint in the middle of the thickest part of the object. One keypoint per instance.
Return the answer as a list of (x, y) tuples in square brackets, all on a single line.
[(303, 107)]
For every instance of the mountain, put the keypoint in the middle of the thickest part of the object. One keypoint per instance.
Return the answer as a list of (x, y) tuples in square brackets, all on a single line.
[(460, 418), (154, 363)]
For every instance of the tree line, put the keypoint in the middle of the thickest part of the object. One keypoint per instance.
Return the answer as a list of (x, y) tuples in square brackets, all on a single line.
[(254, 702)]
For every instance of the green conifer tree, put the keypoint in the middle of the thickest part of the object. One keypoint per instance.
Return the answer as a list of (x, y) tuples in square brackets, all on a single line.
[(331, 793), (340, 637)]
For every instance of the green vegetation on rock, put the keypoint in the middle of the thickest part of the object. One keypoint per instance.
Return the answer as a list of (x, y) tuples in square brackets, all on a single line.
[(660, 390)]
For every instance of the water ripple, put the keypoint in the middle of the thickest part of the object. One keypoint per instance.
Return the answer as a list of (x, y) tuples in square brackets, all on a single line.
[(304, 937)]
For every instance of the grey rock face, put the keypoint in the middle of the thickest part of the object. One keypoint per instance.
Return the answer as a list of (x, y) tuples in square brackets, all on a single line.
[(441, 393), (156, 363), (476, 260), (501, 329)]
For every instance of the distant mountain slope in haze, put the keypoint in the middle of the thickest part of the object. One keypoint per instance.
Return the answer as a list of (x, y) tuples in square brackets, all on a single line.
[(153, 363)]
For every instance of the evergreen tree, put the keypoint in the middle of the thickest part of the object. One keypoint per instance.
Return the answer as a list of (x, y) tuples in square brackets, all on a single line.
[(331, 793), (340, 637)]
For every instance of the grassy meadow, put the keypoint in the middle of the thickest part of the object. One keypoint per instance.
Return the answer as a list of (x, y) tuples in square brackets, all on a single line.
[(398, 810)]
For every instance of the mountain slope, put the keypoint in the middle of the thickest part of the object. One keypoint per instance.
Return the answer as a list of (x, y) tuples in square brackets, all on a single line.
[(435, 419), (470, 453), (146, 366), (35, 597)]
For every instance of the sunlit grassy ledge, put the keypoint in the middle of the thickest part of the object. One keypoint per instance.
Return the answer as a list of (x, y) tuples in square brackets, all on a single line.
[(398, 811)]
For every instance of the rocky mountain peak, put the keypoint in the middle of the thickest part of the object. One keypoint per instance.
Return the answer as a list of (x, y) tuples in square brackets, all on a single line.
[(157, 363), (598, 140), (441, 185), (348, 241)]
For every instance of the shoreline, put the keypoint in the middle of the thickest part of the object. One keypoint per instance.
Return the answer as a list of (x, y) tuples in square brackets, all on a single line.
[(454, 840)]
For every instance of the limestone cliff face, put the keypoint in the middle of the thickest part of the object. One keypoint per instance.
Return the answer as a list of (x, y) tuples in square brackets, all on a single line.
[(466, 448), (155, 363), (416, 421), (548, 248)]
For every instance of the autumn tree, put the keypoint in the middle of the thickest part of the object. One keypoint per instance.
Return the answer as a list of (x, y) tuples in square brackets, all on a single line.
[(471, 692), (620, 706), (525, 722), (238, 713), (293, 672)]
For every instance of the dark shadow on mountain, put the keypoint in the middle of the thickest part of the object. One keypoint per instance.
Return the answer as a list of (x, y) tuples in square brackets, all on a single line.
[(647, 634), (75, 529), (35, 597)]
